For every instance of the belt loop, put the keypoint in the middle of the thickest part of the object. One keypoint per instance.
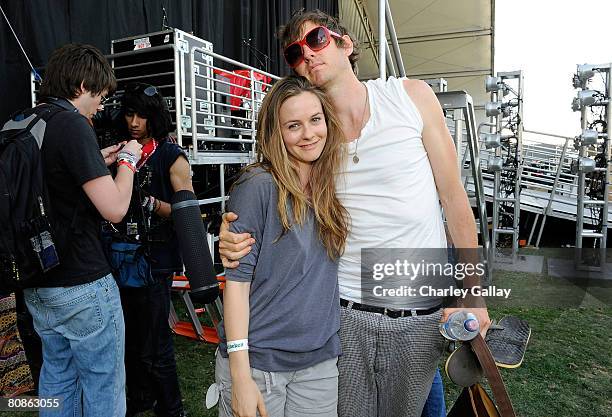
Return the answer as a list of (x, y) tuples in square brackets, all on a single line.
[(402, 313), (267, 379), (350, 305), (385, 311), (413, 312)]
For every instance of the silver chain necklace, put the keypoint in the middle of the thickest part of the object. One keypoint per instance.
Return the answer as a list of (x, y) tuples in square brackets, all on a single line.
[(365, 106)]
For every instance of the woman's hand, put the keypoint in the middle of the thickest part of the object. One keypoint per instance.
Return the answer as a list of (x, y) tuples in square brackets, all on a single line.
[(247, 399)]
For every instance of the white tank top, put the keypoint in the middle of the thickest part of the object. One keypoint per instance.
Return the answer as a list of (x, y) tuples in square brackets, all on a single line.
[(390, 193)]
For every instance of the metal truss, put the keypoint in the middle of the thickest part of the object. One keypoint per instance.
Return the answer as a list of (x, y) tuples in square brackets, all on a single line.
[(461, 102), (506, 110), (593, 163)]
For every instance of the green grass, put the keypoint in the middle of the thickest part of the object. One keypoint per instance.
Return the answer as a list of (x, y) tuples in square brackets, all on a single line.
[(196, 369), (567, 369)]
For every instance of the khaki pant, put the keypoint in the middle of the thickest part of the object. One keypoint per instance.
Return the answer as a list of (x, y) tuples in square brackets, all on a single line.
[(308, 392)]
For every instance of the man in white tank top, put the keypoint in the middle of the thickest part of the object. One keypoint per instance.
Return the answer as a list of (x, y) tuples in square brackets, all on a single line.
[(401, 169)]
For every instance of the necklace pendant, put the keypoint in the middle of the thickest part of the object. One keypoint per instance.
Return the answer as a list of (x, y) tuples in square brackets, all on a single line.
[(355, 159)]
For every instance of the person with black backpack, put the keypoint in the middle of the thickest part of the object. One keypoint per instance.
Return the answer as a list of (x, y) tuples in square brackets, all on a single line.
[(54, 246)]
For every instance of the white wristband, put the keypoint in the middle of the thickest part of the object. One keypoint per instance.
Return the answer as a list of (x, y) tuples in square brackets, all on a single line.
[(236, 345)]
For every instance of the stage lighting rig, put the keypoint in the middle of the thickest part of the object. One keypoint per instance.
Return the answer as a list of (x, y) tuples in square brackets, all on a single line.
[(592, 166), (493, 108), (589, 137), (505, 162), (582, 165), (496, 84), (587, 98), (583, 75), (496, 164), (491, 140), (493, 84)]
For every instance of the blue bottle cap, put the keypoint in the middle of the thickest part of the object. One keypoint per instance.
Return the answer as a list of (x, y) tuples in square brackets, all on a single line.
[(471, 325)]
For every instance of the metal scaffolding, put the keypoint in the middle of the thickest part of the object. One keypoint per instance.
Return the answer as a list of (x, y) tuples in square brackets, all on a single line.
[(557, 185), (385, 61), (506, 109), (462, 108), (592, 164)]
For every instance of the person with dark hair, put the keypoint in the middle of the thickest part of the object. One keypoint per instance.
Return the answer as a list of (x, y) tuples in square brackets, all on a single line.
[(75, 306), (90, 71), (152, 380), (397, 137)]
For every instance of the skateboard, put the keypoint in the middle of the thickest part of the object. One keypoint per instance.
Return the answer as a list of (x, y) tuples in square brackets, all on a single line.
[(507, 340)]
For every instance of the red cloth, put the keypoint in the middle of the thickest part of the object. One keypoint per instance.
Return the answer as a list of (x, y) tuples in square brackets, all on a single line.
[(240, 81)]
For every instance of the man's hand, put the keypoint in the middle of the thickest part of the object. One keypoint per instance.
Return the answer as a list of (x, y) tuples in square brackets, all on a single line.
[(134, 148), (233, 246), (110, 154), (247, 399), (481, 314)]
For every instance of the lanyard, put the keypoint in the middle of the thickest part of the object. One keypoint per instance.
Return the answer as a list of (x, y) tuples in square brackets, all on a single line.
[(147, 151)]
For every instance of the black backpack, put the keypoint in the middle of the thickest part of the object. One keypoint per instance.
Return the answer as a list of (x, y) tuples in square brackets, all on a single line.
[(27, 247)]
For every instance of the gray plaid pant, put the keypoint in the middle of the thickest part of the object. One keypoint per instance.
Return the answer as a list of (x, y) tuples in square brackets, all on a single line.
[(387, 365)]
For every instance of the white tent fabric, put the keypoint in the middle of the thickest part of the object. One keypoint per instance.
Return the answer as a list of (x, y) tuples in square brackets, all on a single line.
[(450, 39)]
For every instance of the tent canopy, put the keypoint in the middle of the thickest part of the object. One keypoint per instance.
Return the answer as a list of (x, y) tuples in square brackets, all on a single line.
[(437, 39)]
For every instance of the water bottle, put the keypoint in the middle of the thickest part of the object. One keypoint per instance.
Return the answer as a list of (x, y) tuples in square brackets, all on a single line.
[(461, 325)]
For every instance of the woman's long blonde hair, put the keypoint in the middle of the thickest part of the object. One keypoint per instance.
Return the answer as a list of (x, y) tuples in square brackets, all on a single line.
[(331, 216)]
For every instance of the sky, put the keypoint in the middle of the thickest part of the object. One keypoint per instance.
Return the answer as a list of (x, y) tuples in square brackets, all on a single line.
[(547, 39)]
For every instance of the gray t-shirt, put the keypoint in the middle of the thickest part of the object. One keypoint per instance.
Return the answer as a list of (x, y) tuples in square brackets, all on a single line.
[(294, 305)]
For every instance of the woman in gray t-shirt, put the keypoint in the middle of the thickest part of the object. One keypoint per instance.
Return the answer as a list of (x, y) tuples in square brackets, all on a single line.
[(281, 308)]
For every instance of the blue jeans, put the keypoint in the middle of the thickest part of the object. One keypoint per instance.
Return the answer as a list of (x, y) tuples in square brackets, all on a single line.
[(435, 405), (83, 338)]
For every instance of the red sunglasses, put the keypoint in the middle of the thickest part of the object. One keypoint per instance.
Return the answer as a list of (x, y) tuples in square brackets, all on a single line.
[(316, 39)]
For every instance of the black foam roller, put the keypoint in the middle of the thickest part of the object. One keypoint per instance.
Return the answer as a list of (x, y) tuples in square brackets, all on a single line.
[(191, 236)]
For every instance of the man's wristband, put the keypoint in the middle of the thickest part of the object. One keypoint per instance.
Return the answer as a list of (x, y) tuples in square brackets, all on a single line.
[(127, 164), (127, 156), (128, 160), (236, 345)]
